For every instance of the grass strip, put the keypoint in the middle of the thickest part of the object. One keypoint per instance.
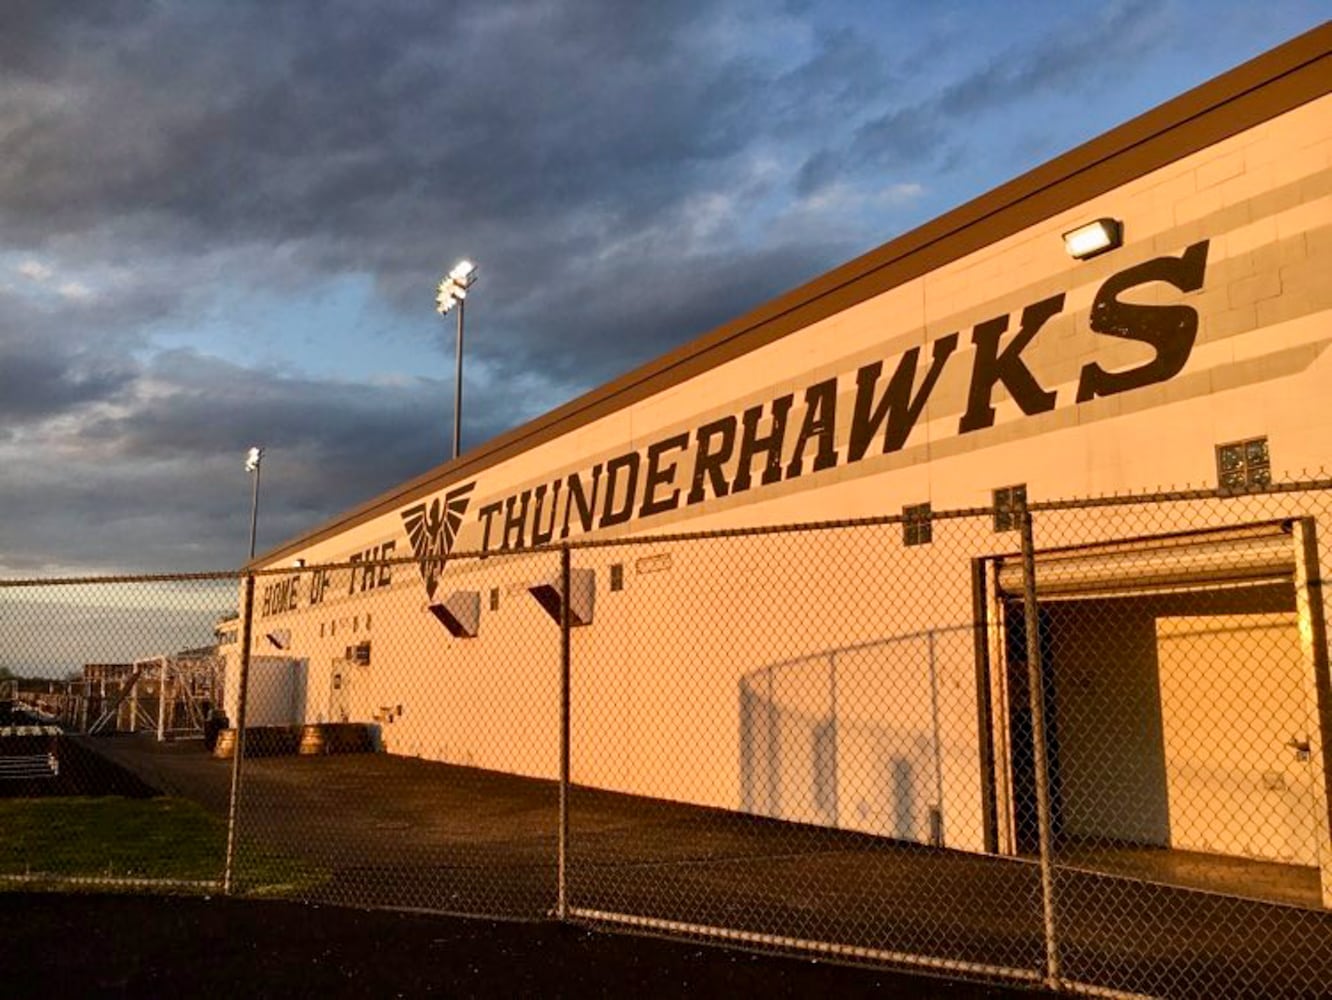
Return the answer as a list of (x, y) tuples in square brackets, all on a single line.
[(115, 839)]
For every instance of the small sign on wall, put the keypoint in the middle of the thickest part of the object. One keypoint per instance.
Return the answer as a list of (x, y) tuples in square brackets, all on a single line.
[(658, 563)]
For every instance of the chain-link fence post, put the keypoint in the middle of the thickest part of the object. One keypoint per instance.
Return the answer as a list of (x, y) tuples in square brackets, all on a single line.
[(562, 902), (233, 802), (1313, 742), (1036, 684)]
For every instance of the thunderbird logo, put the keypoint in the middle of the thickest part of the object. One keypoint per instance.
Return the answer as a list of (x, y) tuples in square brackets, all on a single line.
[(433, 528)]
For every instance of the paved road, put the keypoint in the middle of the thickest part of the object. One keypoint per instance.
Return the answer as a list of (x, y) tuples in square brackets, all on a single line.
[(395, 831)]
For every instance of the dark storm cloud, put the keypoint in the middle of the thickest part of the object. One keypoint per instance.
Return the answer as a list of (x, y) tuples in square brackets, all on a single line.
[(260, 119), (365, 137), (157, 480), (371, 434), (644, 318), (245, 124), (36, 384), (51, 364)]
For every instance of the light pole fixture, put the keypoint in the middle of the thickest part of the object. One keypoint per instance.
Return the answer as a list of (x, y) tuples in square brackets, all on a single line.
[(253, 459), (452, 292)]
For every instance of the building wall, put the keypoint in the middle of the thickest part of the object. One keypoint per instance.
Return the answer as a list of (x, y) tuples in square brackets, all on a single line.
[(1262, 204), (1235, 239)]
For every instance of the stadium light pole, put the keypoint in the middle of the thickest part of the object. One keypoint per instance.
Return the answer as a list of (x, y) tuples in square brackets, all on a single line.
[(253, 460), (452, 292)]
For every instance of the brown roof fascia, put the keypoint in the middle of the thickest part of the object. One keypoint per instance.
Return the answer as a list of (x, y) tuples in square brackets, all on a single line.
[(1273, 83)]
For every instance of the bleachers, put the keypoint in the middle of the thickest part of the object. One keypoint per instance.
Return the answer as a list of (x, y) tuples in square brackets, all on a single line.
[(29, 766), (28, 752)]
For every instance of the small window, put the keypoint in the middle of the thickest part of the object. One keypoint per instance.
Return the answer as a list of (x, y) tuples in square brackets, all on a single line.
[(321, 630), (917, 528), (1243, 465), (617, 576), (494, 598), (367, 623), (1009, 502)]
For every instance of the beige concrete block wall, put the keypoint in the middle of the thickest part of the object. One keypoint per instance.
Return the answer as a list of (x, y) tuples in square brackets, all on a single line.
[(1232, 693), (658, 676)]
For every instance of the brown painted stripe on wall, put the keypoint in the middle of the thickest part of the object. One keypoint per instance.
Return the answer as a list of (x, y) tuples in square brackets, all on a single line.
[(1257, 91)]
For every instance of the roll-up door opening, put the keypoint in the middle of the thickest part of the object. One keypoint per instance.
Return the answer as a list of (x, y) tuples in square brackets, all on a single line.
[(1253, 554), (1173, 681)]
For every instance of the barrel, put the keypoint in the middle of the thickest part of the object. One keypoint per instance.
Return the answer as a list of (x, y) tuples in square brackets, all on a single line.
[(226, 744), (312, 741)]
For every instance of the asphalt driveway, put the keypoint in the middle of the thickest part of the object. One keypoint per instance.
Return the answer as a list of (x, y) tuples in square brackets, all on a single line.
[(399, 832)]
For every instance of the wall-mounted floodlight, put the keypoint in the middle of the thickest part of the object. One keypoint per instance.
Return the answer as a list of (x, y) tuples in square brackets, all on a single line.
[(460, 613), (298, 564), (582, 598), (279, 639), (1094, 238), (452, 292)]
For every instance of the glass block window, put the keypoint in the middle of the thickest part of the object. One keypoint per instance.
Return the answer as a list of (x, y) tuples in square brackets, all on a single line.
[(916, 524), (1009, 502), (1243, 465)]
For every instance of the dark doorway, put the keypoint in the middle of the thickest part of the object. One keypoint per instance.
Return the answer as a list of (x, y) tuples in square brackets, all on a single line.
[(1026, 825), (1164, 722)]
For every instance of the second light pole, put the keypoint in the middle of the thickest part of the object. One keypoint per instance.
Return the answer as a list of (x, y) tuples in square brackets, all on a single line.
[(453, 292), (254, 460)]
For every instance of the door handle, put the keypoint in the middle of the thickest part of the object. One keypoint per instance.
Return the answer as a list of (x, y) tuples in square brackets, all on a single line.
[(1301, 748)]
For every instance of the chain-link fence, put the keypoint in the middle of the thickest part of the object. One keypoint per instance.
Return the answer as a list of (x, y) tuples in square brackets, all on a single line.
[(1083, 744), (87, 661)]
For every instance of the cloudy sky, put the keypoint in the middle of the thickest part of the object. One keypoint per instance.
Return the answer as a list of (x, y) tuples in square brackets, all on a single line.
[(222, 223)]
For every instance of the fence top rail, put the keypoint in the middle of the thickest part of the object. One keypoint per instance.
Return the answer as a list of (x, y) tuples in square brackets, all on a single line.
[(1322, 484), (108, 578), (955, 513), (869, 644), (837, 524)]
